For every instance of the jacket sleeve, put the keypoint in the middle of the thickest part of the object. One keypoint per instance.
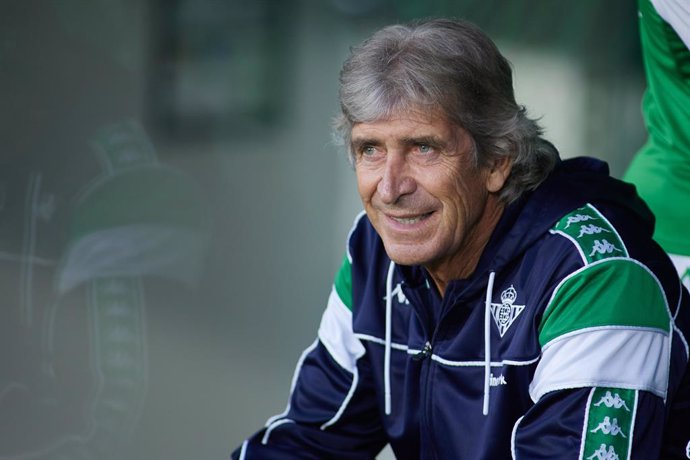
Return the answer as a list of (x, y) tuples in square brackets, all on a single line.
[(596, 423), (332, 412), (612, 369)]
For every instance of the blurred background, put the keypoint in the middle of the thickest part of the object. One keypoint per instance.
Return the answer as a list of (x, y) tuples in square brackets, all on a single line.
[(172, 207)]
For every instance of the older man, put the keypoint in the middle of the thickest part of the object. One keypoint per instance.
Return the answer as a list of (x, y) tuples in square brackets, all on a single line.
[(494, 300)]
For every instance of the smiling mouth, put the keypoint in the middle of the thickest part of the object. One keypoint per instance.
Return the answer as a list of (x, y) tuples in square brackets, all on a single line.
[(409, 220)]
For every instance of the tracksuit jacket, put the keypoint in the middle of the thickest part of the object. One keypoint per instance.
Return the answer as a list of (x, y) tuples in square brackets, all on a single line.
[(569, 341)]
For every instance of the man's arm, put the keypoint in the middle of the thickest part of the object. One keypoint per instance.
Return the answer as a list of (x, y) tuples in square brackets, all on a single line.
[(594, 424), (611, 368)]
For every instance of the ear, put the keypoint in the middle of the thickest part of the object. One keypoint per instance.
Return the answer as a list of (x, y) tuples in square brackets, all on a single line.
[(498, 174)]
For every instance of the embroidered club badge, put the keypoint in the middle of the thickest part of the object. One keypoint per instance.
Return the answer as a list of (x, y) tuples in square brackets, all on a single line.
[(506, 312)]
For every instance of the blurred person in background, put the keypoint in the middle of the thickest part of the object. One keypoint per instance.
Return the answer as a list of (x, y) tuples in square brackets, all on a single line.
[(97, 239), (495, 301), (661, 169)]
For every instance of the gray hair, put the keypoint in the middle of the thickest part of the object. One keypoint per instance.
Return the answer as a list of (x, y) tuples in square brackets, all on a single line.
[(451, 66)]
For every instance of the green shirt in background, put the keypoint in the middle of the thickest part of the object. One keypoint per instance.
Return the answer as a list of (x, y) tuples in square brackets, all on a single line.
[(661, 169)]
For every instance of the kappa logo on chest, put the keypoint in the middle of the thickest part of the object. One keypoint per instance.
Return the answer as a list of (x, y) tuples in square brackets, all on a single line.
[(398, 294), (506, 312)]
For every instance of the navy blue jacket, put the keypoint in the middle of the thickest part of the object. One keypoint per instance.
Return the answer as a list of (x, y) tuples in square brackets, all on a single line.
[(567, 342)]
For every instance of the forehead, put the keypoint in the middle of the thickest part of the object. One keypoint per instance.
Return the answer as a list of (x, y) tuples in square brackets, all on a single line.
[(407, 124)]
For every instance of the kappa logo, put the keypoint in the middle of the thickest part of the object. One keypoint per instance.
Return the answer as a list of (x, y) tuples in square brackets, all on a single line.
[(577, 218), (399, 295), (609, 427), (612, 401), (603, 247), (609, 424), (591, 229), (506, 312), (593, 235), (604, 452)]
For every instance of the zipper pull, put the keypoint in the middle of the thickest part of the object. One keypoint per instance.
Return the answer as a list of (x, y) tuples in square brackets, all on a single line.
[(426, 351)]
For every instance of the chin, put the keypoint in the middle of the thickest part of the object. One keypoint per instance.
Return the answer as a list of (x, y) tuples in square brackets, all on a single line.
[(405, 254)]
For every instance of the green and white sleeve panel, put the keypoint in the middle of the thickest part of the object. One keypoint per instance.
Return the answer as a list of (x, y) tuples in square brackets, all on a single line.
[(607, 324), (336, 333)]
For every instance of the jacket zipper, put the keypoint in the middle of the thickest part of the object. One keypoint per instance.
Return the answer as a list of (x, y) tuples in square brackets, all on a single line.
[(426, 410), (425, 353)]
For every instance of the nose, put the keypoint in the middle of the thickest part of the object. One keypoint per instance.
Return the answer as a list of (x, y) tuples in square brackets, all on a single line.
[(396, 180)]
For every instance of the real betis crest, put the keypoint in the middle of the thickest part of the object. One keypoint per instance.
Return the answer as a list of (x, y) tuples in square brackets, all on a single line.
[(506, 312)]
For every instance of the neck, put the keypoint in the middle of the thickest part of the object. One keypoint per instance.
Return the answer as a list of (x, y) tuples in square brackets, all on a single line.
[(464, 262)]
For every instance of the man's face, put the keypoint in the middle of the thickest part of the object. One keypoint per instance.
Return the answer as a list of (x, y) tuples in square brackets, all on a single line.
[(422, 192)]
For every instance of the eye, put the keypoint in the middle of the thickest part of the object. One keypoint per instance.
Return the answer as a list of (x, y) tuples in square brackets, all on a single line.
[(368, 150), (425, 149)]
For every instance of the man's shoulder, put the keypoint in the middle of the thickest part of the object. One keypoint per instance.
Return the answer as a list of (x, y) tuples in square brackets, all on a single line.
[(591, 233), (363, 243)]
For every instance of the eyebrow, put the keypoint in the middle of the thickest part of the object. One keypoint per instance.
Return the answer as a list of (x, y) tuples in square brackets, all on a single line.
[(431, 140), (360, 142)]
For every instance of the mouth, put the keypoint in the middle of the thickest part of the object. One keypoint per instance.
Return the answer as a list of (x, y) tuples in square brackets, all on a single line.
[(411, 220)]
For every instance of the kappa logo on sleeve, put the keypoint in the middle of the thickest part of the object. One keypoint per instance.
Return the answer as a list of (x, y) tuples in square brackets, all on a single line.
[(577, 218), (594, 236), (610, 401), (609, 424), (604, 452), (603, 247), (591, 229), (609, 427)]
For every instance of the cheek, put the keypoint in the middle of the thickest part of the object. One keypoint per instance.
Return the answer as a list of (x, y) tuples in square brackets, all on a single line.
[(465, 201), (366, 185)]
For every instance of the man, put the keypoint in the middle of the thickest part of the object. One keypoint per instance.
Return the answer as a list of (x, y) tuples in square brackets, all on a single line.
[(495, 302), (662, 167)]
